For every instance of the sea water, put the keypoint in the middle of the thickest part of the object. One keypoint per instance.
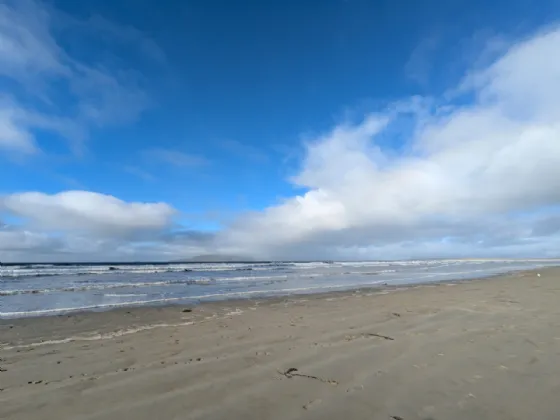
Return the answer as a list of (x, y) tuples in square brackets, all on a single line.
[(51, 289)]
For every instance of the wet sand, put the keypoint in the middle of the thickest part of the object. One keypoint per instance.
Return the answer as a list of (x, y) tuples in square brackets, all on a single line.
[(479, 349)]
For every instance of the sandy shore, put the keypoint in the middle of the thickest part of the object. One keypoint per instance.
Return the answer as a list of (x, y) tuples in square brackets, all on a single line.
[(483, 349)]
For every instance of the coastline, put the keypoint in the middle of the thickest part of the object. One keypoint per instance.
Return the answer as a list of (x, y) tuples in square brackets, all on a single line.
[(477, 348), (248, 294), (150, 313)]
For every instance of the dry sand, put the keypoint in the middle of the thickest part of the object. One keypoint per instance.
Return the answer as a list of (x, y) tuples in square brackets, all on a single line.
[(482, 349)]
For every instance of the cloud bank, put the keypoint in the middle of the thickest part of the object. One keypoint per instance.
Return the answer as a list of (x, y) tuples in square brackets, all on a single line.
[(478, 174), (474, 174), (87, 211), (85, 226)]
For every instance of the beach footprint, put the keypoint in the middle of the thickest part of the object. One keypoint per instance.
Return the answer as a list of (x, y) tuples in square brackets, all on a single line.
[(312, 404), (356, 388)]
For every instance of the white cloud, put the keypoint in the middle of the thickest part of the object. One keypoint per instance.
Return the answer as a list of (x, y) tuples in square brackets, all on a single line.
[(467, 164), (88, 226), (84, 211)]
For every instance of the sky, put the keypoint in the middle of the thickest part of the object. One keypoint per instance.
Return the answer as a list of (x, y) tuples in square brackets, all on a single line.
[(294, 130)]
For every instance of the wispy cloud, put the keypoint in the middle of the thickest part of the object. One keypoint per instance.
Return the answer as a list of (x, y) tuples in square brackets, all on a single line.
[(18, 125), (93, 93), (140, 173), (175, 158), (109, 32), (14, 133), (244, 151), (420, 63)]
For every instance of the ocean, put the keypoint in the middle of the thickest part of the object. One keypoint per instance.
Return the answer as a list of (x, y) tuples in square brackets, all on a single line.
[(52, 289)]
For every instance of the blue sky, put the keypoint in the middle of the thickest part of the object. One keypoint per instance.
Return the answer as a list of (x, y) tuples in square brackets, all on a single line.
[(159, 130)]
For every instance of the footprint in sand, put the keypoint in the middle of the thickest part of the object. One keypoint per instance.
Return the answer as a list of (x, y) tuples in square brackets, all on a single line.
[(312, 404), (355, 389)]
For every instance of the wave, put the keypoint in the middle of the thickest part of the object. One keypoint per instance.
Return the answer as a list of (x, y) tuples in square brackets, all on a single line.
[(370, 273), (81, 271), (188, 282), (204, 281), (47, 270), (106, 286), (210, 296)]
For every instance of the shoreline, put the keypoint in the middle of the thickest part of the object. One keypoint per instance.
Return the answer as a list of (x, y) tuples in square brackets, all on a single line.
[(194, 302), (117, 319)]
